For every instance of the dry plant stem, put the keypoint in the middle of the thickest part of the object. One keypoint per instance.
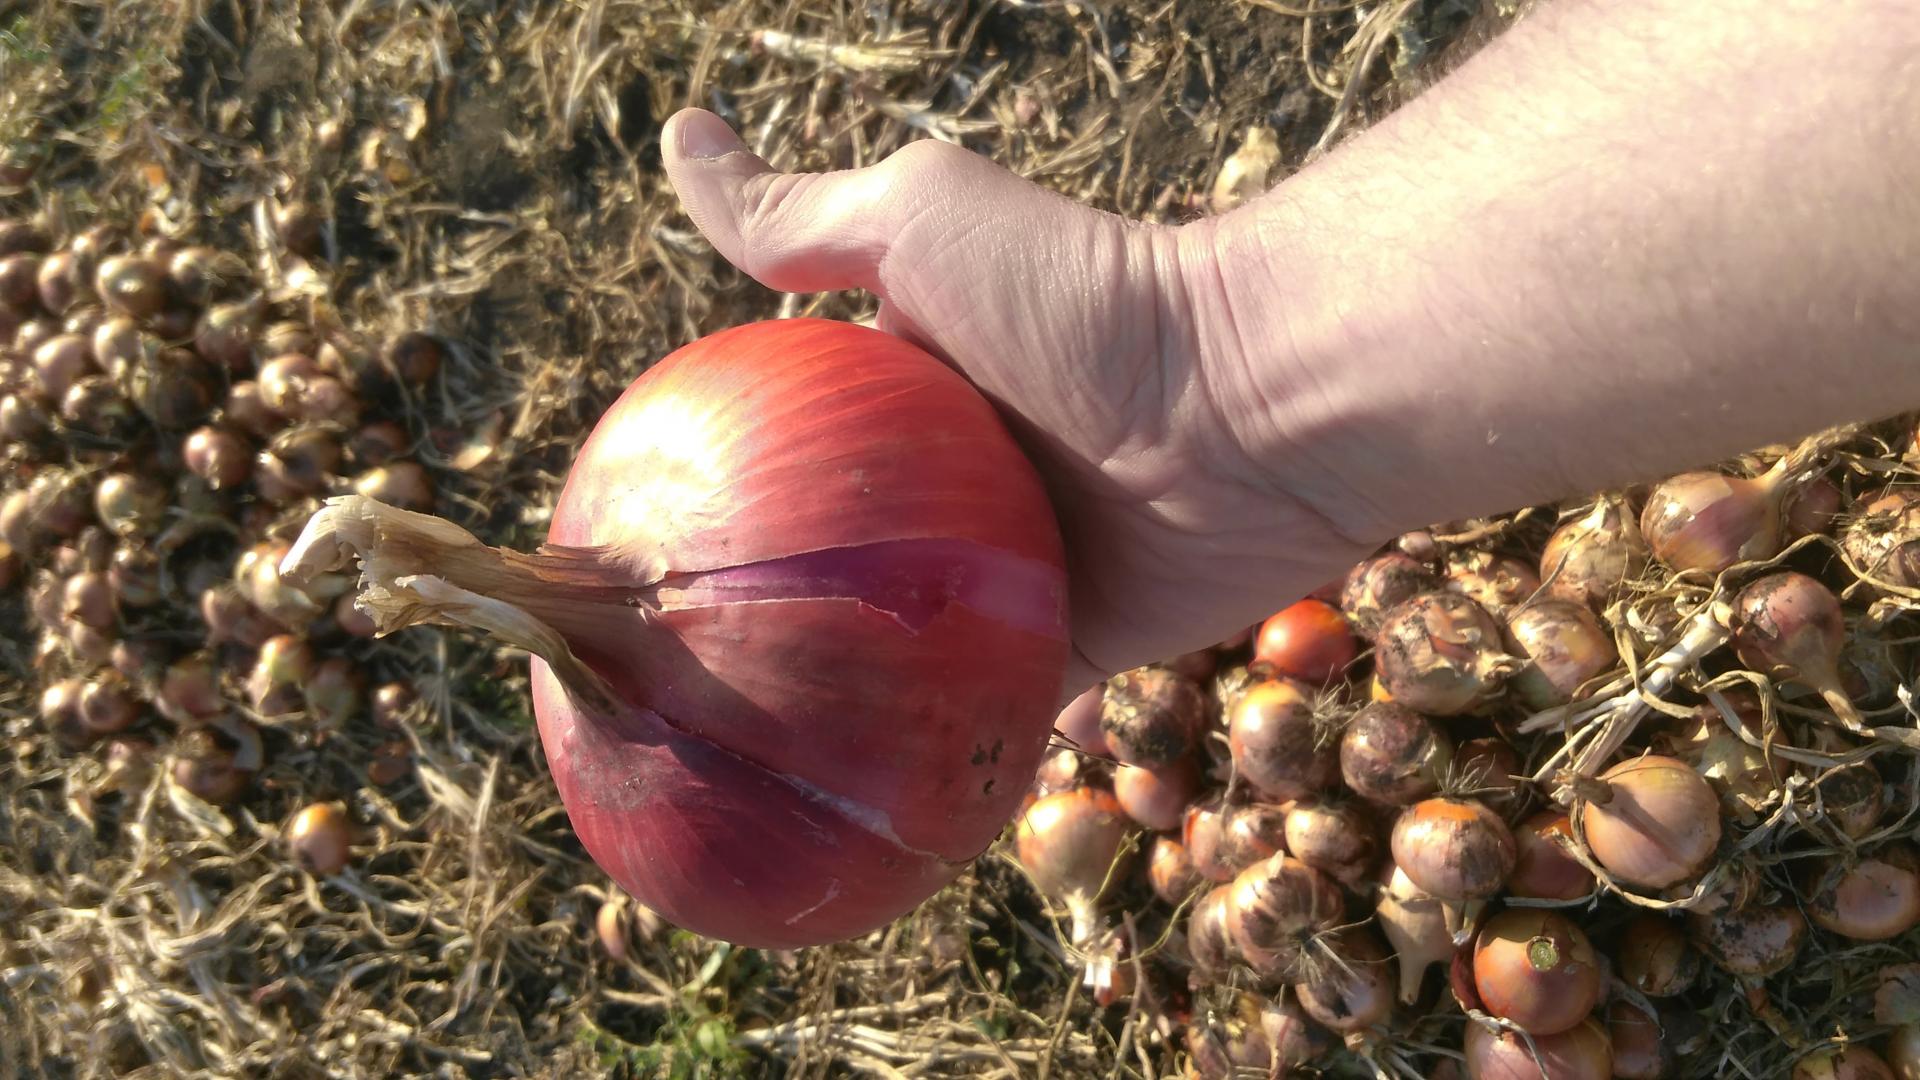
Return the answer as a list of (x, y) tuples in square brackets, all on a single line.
[(1612, 722)]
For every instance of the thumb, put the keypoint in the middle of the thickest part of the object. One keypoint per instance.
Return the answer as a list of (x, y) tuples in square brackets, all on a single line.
[(812, 232)]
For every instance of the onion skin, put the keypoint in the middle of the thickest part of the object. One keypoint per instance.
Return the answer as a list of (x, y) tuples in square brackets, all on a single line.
[(1659, 824), (1416, 923), (1336, 837), (1276, 743), (1708, 521), (1875, 899), (1564, 646), (1752, 941), (1850, 1062), (1079, 723), (742, 768), (1883, 538), (1354, 991), (1544, 870), (1204, 834), (1535, 968), (1170, 871), (1454, 849), (1639, 1050), (1151, 716), (1157, 798), (1382, 583), (1812, 509), (1439, 653), (1069, 843), (1250, 833), (1393, 755), (1582, 1053), (1209, 942), (1274, 906), (1498, 583), (320, 839), (1789, 626), (1654, 958), (1309, 641)]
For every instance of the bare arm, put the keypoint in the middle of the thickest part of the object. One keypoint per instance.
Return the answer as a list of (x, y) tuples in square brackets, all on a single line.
[(1625, 240)]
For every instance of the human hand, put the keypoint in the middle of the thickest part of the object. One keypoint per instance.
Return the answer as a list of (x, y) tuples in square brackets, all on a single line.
[(1106, 344)]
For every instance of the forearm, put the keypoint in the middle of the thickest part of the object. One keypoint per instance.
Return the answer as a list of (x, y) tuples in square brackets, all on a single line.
[(1625, 240)]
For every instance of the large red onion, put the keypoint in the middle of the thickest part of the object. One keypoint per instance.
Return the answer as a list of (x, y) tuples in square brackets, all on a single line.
[(800, 627)]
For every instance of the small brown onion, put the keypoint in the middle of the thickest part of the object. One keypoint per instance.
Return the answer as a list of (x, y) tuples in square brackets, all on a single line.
[(1498, 583), (1393, 755), (335, 691), (60, 713), (1544, 869), (1336, 837), (320, 839), (1564, 647), (20, 236), (96, 406), (1454, 849), (301, 459), (24, 420), (1812, 508), (1486, 769), (1150, 716), (1231, 1042), (1752, 941), (1875, 898), (226, 335), (230, 617), (1883, 537), (413, 357), (141, 662), (1274, 907), (1277, 744), (1440, 654), (199, 274), (404, 484), (107, 705), (325, 399), (1897, 999), (133, 284), (59, 363), (119, 345), (174, 389), (1209, 942), (1652, 821), (1309, 641), (128, 503), (1852, 799), (1654, 958), (1157, 798), (392, 761), (1639, 1046), (1709, 521), (59, 283), (135, 575), (288, 337), (20, 282), (1582, 1053), (1250, 833), (280, 674), (1382, 583), (1079, 724), (1588, 559), (1069, 843), (383, 440), (393, 703), (1415, 922), (282, 380), (218, 456), (189, 690), (88, 599), (299, 227), (1788, 626), (216, 770), (1170, 872), (1850, 1062), (1535, 968), (1353, 989)]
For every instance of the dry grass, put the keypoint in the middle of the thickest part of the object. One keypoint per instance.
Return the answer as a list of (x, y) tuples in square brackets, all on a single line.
[(491, 173)]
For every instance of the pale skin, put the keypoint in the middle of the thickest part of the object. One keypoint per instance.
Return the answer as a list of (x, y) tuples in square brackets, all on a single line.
[(1623, 241)]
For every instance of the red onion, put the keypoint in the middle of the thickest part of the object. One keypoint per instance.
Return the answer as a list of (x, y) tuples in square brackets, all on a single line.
[(767, 553), (1454, 849), (1753, 941), (1069, 843), (1654, 958), (1151, 716), (320, 839), (1537, 969), (1309, 641), (1277, 744), (1335, 836), (1382, 583), (1393, 755), (1170, 871), (1582, 1053), (1789, 626), (1652, 821), (1850, 1062), (1564, 647), (1439, 653), (1498, 583), (1870, 898), (1274, 907), (1416, 923), (1351, 989), (1588, 559), (1544, 870)]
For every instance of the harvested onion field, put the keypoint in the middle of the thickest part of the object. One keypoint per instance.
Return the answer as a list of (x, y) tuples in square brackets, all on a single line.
[(256, 254)]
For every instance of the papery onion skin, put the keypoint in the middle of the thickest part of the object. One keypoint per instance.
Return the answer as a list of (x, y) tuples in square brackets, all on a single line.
[(1589, 558), (1170, 871), (1251, 832), (1069, 842), (1416, 923), (1565, 647), (1535, 968), (1789, 626), (1382, 583), (1440, 653), (1544, 870), (1204, 833), (1152, 716), (1883, 537), (813, 599), (1583, 1053), (1709, 521), (1455, 849), (1353, 990), (1752, 941), (1274, 906), (1209, 942), (1660, 824), (1276, 743), (1335, 836), (1393, 755), (1499, 583)]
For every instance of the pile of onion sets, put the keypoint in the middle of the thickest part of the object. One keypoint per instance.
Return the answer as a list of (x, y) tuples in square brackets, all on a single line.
[(799, 627), (1624, 787)]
